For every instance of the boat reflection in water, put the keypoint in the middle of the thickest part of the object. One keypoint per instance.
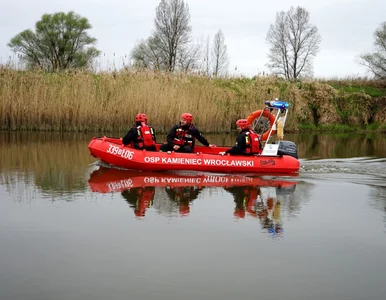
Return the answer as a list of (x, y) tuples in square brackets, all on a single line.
[(263, 203), (183, 196), (254, 197), (140, 199)]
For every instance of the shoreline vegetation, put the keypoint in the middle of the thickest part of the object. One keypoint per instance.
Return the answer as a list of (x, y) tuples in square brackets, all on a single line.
[(108, 102)]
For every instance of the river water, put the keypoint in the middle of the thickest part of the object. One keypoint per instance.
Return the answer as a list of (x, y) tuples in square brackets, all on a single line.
[(71, 228)]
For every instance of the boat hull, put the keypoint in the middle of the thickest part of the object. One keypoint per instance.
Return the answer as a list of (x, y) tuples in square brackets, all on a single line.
[(205, 159)]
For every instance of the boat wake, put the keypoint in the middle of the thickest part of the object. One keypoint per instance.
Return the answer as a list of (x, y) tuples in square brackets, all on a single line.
[(362, 170)]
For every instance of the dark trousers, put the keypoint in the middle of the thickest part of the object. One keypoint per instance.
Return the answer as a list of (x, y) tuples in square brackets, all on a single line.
[(151, 148), (169, 147)]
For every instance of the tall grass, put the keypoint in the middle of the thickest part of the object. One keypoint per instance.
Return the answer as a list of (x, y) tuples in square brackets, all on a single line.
[(105, 102)]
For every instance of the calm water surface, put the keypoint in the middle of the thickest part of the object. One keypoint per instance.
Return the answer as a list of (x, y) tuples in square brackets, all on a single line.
[(70, 228)]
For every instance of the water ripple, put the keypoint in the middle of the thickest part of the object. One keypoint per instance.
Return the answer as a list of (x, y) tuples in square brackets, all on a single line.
[(363, 170)]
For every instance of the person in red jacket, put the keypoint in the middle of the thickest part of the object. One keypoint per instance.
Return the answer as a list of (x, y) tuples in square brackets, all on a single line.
[(141, 136), (181, 137), (247, 142)]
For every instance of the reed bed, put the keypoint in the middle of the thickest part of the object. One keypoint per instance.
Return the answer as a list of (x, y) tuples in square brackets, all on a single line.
[(106, 102)]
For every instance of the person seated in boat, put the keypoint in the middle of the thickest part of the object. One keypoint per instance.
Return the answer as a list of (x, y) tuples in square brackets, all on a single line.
[(247, 142), (141, 136), (181, 137)]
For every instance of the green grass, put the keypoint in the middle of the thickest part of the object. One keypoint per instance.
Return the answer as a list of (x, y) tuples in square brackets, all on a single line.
[(307, 127), (373, 126), (369, 90), (382, 128)]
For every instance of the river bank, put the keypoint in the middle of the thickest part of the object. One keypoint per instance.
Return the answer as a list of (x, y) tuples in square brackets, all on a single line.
[(82, 101)]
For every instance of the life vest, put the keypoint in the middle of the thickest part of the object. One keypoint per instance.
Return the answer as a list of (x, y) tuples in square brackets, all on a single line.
[(183, 137), (145, 137), (252, 142)]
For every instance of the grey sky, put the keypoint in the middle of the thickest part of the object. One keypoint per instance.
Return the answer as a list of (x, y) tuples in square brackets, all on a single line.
[(346, 27)]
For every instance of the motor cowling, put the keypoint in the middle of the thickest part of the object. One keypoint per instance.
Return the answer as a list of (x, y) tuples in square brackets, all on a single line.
[(288, 148)]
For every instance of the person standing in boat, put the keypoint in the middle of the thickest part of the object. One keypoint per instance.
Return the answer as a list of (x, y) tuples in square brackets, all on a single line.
[(181, 137), (247, 141), (141, 136)]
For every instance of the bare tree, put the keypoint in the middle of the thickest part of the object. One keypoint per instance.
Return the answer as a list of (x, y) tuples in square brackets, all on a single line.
[(207, 56), (169, 48), (189, 58), (220, 59), (146, 54), (376, 61), (172, 29), (293, 44)]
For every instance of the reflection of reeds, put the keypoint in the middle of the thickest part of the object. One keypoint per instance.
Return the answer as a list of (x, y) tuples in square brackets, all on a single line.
[(55, 162), (342, 145)]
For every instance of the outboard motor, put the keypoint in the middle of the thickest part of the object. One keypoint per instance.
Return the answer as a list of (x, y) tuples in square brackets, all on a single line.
[(288, 148)]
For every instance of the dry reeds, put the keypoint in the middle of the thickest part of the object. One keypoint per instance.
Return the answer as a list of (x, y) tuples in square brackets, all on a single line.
[(105, 102)]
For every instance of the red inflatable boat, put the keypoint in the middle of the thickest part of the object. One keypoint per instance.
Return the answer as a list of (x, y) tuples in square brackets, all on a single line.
[(205, 159), (278, 157)]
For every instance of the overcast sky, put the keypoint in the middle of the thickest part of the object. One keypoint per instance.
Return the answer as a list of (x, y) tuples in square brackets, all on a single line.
[(346, 27)]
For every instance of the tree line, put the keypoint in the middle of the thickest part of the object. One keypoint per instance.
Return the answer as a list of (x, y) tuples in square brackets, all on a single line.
[(60, 41)]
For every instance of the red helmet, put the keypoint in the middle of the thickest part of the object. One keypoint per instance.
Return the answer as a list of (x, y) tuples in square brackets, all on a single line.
[(141, 118), (242, 123), (188, 117)]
